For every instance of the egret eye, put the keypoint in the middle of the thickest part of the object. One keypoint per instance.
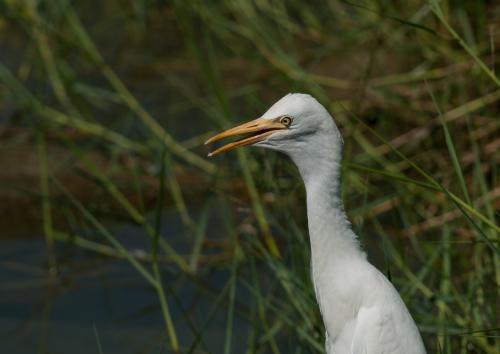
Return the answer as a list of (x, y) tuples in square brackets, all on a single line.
[(286, 121)]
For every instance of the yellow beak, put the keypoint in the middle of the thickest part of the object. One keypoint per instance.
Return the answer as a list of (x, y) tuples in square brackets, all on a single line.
[(256, 130)]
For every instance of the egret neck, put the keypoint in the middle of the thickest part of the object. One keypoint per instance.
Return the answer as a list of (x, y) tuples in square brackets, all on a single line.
[(329, 229)]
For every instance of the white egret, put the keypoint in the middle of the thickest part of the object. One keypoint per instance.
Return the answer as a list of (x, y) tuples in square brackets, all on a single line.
[(362, 311)]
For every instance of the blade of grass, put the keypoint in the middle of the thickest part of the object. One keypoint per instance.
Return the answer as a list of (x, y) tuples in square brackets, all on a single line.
[(97, 339), (230, 306), (443, 338), (43, 44), (48, 229), (391, 175), (199, 237), (451, 147), (171, 332), (176, 193)]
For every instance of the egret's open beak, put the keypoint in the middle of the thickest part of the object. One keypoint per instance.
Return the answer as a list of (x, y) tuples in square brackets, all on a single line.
[(254, 131)]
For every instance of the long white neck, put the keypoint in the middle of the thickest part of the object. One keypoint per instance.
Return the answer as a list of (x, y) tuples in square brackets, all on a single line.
[(331, 236)]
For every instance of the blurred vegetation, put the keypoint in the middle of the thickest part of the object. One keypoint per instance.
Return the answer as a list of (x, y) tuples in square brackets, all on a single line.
[(105, 106)]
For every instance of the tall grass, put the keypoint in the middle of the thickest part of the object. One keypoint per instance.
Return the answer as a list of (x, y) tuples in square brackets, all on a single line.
[(138, 85)]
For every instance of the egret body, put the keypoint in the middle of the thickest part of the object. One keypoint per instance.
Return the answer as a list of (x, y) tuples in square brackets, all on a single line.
[(362, 311)]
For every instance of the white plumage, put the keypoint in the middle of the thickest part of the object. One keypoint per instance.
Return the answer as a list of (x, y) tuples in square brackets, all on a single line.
[(362, 311)]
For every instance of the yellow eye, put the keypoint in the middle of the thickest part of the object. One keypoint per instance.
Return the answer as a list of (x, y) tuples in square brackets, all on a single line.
[(286, 121)]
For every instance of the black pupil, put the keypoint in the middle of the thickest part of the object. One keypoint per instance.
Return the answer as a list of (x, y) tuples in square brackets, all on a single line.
[(286, 121)]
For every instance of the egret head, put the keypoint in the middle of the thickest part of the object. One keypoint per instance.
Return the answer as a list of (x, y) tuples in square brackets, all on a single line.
[(296, 125)]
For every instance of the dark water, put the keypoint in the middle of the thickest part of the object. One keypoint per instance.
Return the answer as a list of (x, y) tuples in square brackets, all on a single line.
[(100, 299)]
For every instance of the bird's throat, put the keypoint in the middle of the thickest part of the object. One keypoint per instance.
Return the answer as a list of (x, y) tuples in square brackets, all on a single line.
[(330, 231)]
